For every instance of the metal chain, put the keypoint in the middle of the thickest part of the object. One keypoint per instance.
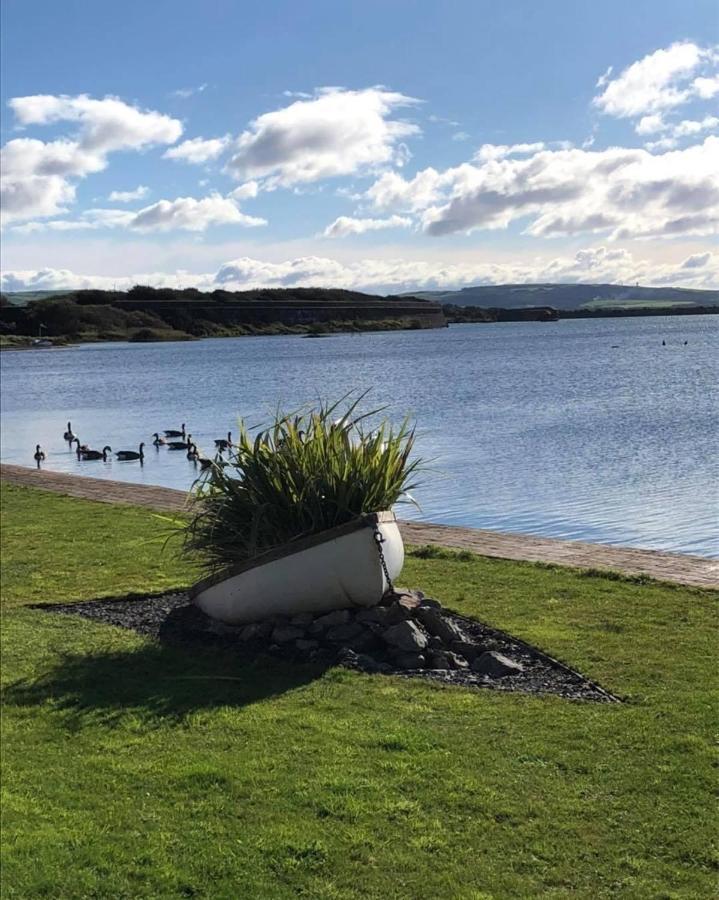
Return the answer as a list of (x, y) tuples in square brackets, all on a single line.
[(379, 540)]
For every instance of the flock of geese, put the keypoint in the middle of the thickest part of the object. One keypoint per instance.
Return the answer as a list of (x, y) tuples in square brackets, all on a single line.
[(173, 439)]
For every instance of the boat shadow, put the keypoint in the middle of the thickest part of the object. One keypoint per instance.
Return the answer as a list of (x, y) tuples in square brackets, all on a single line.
[(156, 682)]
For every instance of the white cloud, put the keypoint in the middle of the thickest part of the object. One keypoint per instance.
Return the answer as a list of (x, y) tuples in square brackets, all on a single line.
[(246, 191), (36, 174), (337, 132), (345, 225), (185, 93), (624, 192), (460, 136), (128, 196), (659, 81), (706, 88), (590, 265), (198, 150), (189, 214)]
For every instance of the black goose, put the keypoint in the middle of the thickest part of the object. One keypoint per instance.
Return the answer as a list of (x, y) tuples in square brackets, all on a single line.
[(192, 453), (39, 454), (131, 454), (222, 443), (180, 445), (95, 454), (171, 432), (81, 448), (158, 442), (69, 436)]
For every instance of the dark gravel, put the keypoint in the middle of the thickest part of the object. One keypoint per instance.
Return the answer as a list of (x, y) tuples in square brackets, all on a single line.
[(173, 619)]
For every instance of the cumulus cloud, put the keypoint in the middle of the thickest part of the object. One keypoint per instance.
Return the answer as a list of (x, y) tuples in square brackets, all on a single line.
[(624, 192), (593, 264), (180, 214), (128, 196), (336, 132), (660, 81), (346, 225), (198, 150), (37, 176)]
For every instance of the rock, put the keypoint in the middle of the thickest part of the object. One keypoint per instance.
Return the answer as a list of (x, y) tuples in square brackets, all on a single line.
[(366, 642), (439, 659), (302, 620), (496, 665), (336, 617), (342, 633), (435, 643), (369, 664), (409, 602), (347, 657), (257, 631), (436, 623), (396, 614), (430, 603), (305, 645), (457, 661), (375, 615), (282, 634), (406, 636), (467, 649), (224, 629), (411, 660)]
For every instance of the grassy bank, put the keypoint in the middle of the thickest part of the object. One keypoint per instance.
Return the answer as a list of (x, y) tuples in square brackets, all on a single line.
[(133, 770)]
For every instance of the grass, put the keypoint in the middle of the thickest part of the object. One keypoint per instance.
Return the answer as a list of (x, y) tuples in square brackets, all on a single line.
[(133, 770)]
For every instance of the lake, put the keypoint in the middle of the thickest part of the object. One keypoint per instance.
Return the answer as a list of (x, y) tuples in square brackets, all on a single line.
[(582, 429)]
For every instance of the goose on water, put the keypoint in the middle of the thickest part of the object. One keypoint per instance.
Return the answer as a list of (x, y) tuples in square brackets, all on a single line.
[(131, 454), (95, 454), (69, 436), (192, 453), (158, 442), (39, 454), (180, 445), (81, 448), (222, 443), (171, 432)]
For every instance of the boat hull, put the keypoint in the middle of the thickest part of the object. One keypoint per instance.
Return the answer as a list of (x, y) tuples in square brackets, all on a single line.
[(337, 569)]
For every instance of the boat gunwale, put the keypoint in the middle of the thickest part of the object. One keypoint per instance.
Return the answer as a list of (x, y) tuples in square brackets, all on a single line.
[(289, 549)]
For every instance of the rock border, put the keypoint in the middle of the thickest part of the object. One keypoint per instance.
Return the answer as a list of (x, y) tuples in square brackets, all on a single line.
[(407, 634)]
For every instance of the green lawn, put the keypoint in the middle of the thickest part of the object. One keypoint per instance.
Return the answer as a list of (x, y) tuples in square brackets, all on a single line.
[(132, 770)]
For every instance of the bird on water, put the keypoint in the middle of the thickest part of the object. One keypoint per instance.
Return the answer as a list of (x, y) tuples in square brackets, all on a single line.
[(131, 454), (180, 445), (69, 436), (171, 432), (158, 442), (39, 454), (95, 454), (224, 443)]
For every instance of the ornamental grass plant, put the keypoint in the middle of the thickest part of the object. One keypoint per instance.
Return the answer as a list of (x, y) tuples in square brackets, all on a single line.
[(306, 473)]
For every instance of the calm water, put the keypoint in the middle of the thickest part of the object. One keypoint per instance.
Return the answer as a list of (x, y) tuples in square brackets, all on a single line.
[(580, 429)]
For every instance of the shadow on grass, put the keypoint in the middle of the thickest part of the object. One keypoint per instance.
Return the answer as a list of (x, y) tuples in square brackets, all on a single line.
[(155, 682)]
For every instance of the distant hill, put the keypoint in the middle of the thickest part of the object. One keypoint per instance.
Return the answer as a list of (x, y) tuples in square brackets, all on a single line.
[(571, 296)]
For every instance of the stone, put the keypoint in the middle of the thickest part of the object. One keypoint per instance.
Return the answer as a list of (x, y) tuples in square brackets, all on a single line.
[(304, 645), (374, 615), (222, 628), (435, 643), (467, 649), (347, 657), (396, 614), (340, 634), (411, 660), (496, 665), (336, 617), (406, 636), (439, 659), (257, 631), (457, 661), (369, 664), (302, 620), (283, 634), (436, 623), (366, 642), (430, 603)]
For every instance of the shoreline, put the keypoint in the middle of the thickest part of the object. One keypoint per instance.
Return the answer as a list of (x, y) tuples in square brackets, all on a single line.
[(677, 568)]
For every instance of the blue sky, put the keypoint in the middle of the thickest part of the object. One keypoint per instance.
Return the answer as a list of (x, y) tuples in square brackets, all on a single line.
[(377, 145)]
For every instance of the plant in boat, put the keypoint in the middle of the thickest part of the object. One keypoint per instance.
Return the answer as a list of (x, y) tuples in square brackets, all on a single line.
[(306, 473)]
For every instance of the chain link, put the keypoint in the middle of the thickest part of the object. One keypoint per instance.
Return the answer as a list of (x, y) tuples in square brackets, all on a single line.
[(379, 540)]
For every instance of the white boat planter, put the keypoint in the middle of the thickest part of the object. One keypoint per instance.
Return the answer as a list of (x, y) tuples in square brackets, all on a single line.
[(335, 569)]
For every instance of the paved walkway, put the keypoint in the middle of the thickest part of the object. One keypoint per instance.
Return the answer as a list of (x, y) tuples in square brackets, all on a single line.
[(682, 569)]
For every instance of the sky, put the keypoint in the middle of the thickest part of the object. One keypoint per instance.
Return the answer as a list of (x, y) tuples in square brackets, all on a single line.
[(382, 145)]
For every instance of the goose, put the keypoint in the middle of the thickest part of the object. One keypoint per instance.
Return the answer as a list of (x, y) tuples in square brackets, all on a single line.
[(222, 443), (171, 432), (95, 454), (131, 454), (39, 454), (192, 453), (69, 436), (180, 445), (81, 448), (158, 442)]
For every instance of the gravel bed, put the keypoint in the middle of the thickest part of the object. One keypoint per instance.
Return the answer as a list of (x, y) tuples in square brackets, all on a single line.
[(173, 619)]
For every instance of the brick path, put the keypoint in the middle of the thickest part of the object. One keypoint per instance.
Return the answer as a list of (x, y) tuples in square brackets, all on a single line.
[(682, 569)]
